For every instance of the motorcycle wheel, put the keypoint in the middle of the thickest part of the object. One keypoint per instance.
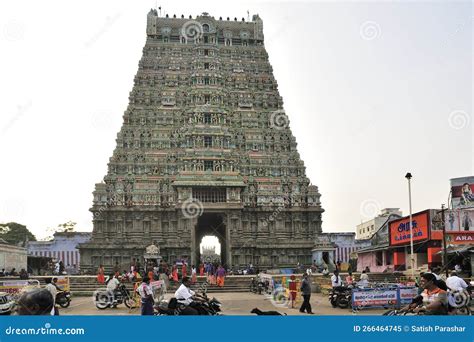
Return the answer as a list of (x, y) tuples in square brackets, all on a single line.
[(343, 304), (334, 303), (102, 301), (65, 304)]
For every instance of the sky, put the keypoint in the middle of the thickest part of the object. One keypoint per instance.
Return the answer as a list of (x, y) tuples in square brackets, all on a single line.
[(372, 90)]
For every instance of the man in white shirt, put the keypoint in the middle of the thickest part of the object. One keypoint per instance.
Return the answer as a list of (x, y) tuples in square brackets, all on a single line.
[(336, 279), (112, 285), (54, 291), (456, 283), (184, 294)]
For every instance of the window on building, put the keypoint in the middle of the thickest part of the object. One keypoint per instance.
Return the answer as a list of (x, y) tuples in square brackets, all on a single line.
[(212, 195), (205, 28), (206, 80), (207, 99), (206, 52), (208, 165), (207, 141), (206, 65), (206, 39), (166, 39), (207, 118), (227, 42)]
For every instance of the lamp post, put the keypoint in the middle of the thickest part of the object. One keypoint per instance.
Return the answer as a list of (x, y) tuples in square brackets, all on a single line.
[(408, 176)]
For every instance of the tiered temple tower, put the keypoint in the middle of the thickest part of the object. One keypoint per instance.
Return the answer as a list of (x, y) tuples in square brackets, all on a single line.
[(205, 149)]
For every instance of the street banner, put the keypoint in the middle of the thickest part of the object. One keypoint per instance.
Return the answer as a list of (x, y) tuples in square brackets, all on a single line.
[(406, 294), (374, 298), (14, 287)]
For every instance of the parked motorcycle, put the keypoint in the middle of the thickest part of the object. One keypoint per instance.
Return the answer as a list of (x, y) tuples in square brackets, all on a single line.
[(257, 286), (209, 307), (63, 298), (340, 296), (105, 299)]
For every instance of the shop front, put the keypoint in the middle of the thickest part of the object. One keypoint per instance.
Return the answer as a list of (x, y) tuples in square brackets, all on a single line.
[(427, 241)]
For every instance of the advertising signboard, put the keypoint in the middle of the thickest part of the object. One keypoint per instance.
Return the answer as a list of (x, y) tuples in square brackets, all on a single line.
[(459, 220), (462, 192), (400, 229)]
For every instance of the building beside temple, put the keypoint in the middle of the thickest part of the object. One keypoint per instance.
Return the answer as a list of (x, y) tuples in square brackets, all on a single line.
[(63, 247), (365, 230), (205, 149), (12, 257)]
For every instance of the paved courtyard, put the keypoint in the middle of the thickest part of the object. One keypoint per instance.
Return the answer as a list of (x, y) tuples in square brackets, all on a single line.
[(239, 303)]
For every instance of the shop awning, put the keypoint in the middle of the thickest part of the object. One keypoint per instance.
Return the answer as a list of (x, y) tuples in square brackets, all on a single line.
[(458, 249)]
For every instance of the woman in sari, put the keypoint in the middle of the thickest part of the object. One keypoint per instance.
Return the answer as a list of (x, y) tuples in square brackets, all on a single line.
[(184, 270), (201, 269), (174, 273), (100, 274)]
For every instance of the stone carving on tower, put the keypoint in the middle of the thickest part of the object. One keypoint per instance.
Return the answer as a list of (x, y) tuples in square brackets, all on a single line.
[(205, 149)]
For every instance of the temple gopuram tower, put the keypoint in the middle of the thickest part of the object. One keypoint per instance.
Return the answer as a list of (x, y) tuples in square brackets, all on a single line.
[(205, 148)]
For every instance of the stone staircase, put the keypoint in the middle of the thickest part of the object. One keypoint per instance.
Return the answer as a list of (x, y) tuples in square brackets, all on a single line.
[(86, 285)]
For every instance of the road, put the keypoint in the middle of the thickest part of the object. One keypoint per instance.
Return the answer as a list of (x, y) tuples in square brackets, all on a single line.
[(232, 304)]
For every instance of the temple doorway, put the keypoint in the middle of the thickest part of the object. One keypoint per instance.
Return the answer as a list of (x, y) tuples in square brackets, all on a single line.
[(210, 224)]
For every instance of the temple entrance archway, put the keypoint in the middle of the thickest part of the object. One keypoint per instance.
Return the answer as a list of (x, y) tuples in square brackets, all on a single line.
[(210, 224)]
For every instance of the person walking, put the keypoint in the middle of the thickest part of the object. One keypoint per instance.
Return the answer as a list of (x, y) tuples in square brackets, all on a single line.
[(100, 275), (146, 297), (293, 291), (184, 270), (306, 292), (220, 276), (193, 275), (54, 291), (174, 273)]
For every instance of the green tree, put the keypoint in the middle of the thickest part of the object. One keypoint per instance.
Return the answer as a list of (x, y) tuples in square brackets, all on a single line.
[(15, 233), (67, 227)]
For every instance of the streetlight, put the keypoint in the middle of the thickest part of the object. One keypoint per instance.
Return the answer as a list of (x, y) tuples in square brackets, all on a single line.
[(408, 177)]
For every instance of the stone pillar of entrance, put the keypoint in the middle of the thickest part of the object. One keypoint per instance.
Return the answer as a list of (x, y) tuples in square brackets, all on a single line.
[(228, 256), (194, 244)]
